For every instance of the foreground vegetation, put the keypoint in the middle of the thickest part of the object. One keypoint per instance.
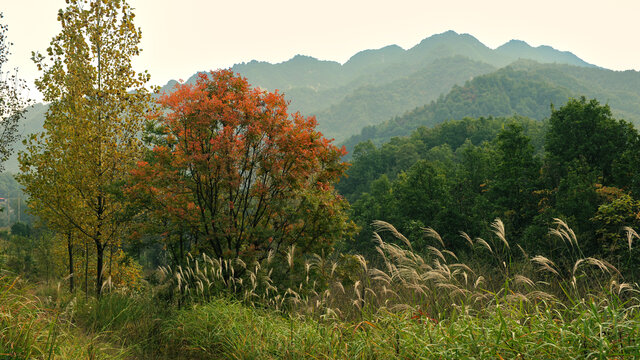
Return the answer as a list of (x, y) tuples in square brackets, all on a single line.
[(411, 306)]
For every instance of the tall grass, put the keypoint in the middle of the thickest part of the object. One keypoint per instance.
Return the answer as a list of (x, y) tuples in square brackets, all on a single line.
[(500, 302), (411, 306), (33, 327), (350, 288), (228, 329)]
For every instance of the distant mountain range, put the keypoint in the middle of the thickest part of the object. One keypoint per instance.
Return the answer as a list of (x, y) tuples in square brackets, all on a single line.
[(525, 88), (390, 91)]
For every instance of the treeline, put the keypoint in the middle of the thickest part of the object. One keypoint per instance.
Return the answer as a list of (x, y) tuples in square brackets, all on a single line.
[(579, 165)]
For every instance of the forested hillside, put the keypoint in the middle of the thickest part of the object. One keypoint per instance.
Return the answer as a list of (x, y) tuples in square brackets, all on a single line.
[(369, 105), (375, 85), (525, 88), (457, 176)]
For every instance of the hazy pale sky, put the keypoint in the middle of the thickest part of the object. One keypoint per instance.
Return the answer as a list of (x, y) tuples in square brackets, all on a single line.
[(181, 37)]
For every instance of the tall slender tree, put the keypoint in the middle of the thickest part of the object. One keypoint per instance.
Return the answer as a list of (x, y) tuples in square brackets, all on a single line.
[(90, 141)]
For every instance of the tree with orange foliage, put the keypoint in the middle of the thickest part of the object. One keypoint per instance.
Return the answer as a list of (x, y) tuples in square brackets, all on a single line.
[(244, 175)]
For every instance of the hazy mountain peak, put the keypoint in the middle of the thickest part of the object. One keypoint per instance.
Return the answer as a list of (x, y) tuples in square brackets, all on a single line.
[(385, 54), (518, 49), (514, 43), (302, 58), (448, 36)]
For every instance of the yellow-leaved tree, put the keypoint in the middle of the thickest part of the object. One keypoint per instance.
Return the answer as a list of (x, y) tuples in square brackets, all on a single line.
[(73, 170)]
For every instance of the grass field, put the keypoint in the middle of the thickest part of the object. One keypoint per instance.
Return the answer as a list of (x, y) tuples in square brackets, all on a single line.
[(412, 306)]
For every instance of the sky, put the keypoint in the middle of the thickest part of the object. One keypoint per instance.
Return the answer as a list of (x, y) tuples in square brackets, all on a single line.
[(182, 37)]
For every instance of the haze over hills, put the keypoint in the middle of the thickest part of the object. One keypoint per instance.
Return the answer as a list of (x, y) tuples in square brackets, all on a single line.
[(525, 88), (427, 83), (375, 85)]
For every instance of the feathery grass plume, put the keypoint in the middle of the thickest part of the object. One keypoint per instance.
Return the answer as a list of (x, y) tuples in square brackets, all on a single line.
[(563, 231), (163, 272), (435, 275), (545, 263), (466, 236), (463, 266), (377, 239), (107, 284), (418, 289), (270, 256), (437, 253), (576, 265), (403, 307), (240, 262), (560, 234), (450, 253), (484, 244), (379, 225), (444, 268), (362, 261), (517, 297), (379, 275), (618, 288), (356, 303), (631, 234), (498, 229), (524, 253), (480, 297), (480, 280), (326, 294), (330, 314), (307, 268), (407, 274), (433, 234), (318, 262), (290, 255), (386, 291), (370, 291), (356, 284), (540, 295), (521, 279), (395, 253), (603, 265)]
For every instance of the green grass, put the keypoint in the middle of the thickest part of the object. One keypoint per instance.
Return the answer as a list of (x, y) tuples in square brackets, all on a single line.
[(414, 306), (228, 330), (33, 327), (127, 327)]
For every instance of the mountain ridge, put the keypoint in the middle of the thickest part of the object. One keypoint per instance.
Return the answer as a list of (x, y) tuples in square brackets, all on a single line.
[(374, 85)]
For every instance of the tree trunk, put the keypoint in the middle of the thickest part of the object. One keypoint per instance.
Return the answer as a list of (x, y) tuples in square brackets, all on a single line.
[(71, 273), (99, 266), (86, 269), (181, 249), (110, 259)]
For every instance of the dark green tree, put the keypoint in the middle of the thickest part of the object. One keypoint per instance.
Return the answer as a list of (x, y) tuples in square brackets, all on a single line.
[(585, 130), (515, 179)]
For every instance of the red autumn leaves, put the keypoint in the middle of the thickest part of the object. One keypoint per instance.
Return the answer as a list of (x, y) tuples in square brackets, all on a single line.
[(233, 167)]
